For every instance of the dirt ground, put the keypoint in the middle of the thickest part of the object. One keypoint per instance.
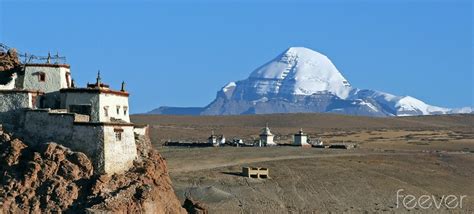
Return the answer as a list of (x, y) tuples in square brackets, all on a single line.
[(416, 156)]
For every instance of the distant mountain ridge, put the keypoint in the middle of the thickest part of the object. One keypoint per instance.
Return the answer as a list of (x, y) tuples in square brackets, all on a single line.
[(303, 80)]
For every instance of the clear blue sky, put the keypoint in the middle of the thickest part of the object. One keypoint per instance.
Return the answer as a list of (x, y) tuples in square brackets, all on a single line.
[(180, 53)]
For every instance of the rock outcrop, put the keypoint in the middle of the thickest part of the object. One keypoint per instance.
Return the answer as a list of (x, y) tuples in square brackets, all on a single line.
[(9, 64), (195, 207), (9, 60), (52, 178)]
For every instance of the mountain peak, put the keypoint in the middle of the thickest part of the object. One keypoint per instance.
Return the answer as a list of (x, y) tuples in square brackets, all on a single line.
[(303, 52), (303, 80), (299, 71)]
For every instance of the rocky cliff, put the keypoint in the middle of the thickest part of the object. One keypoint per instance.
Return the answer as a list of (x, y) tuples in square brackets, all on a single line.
[(9, 64), (8, 59), (52, 178)]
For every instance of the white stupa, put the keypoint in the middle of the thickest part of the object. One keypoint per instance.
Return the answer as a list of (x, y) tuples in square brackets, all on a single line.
[(266, 137), (301, 139)]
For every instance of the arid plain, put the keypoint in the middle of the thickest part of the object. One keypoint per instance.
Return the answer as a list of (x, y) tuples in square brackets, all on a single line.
[(426, 155)]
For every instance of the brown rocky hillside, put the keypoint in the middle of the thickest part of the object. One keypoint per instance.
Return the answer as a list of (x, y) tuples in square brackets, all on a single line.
[(51, 178)]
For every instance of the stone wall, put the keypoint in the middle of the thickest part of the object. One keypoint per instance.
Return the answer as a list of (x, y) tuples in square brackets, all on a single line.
[(119, 154), (50, 100), (89, 139), (11, 100), (43, 126), (83, 98), (12, 103), (141, 130), (96, 140)]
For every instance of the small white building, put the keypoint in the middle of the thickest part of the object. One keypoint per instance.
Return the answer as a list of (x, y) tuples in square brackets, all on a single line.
[(212, 139), (98, 101), (266, 137), (46, 77), (222, 141), (301, 139)]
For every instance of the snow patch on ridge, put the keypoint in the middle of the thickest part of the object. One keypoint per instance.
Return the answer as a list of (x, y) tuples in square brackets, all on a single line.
[(229, 86)]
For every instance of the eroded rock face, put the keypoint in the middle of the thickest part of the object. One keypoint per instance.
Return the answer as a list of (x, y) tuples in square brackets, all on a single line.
[(52, 178), (48, 178), (9, 60)]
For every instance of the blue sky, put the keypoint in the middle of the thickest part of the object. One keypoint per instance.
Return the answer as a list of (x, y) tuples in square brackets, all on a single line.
[(180, 53)]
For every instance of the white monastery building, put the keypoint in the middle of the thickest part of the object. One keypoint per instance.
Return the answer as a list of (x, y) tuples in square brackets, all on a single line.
[(41, 104)]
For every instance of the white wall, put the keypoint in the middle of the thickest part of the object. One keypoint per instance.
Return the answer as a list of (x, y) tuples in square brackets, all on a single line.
[(301, 140), (98, 102), (112, 101), (267, 140), (119, 155), (55, 78), (141, 130)]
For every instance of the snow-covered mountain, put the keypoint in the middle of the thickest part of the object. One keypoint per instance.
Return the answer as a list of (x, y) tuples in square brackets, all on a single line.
[(303, 80)]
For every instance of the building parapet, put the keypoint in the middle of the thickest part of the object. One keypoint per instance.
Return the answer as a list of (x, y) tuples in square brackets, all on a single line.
[(141, 129), (21, 91), (47, 65), (95, 91), (58, 110), (102, 124), (63, 112)]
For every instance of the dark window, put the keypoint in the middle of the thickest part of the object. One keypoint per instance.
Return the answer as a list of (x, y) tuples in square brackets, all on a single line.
[(68, 79), (106, 111), (42, 77), (118, 134), (118, 110), (125, 108)]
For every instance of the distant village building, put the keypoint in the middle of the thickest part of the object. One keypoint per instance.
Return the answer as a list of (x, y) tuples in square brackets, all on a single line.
[(40, 103), (212, 139), (222, 141), (266, 137), (301, 139), (319, 142)]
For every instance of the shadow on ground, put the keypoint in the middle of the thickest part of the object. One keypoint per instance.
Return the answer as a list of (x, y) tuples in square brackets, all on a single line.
[(233, 173)]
